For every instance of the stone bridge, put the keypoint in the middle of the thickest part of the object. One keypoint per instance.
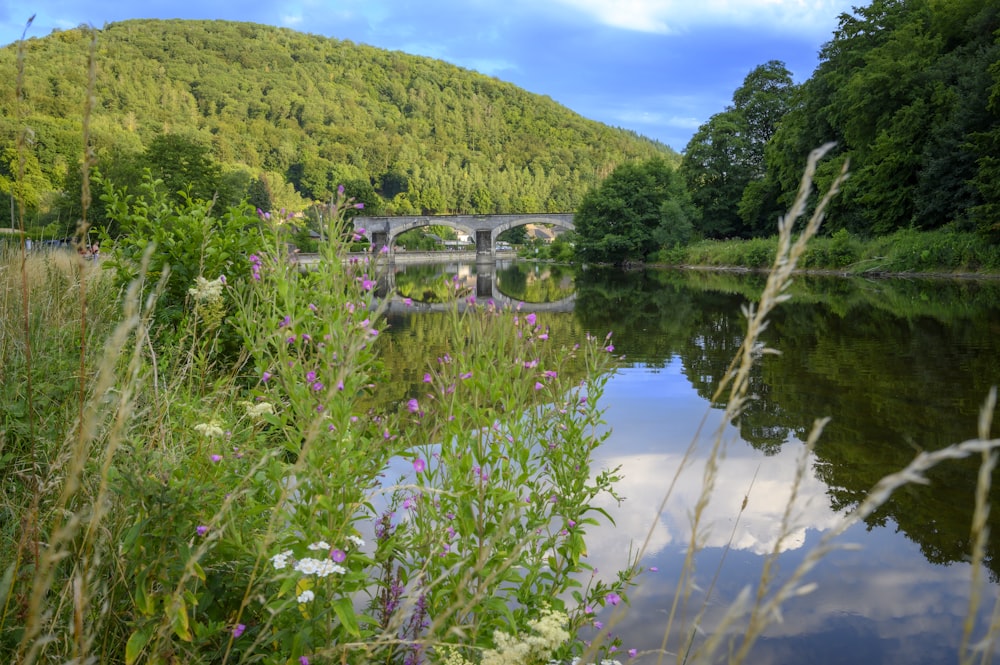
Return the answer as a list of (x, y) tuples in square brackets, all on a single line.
[(382, 231)]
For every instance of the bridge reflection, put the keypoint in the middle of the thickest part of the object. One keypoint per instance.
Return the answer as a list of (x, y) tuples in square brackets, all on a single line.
[(481, 283)]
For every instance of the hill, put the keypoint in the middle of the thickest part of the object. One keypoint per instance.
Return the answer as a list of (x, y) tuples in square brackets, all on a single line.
[(276, 109)]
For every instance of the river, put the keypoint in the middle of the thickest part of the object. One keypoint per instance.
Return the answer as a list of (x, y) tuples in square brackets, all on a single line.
[(897, 365)]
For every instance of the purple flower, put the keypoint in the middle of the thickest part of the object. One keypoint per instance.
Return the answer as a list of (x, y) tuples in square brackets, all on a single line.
[(384, 250), (367, 284), (413, 406), (310, 376), (303, 660), (238, 630), (318, 386), (265, 377), (359, 206), (550, 374), (409, 503), (598, 625), (340, 385), (632, 653), (530, 319), (613, 598), (285, 321), (202, 530), (543, 336), (340, 190), (408, 302), (654, 569), (538, 386), (419, 465), (467, 375), (609, 348), (216, 458), (338, 556), (427, 378)]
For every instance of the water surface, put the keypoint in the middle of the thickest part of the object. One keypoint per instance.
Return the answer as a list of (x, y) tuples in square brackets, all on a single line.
[(897, 365)]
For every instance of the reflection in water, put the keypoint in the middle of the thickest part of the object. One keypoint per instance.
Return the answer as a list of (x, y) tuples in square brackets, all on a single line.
[(899, 366)]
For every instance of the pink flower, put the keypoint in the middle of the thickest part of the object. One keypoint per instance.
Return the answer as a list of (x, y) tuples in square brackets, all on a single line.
[(632, 653), (202, 530), (550, 374), (538, 386), (530, 319), (338, 556), (216, 458), (238, 630), (613, 598), (427, 378), (609, 348), (419, 465)]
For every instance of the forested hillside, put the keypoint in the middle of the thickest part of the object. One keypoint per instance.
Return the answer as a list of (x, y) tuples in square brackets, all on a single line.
[(909, 90), (284, 118)]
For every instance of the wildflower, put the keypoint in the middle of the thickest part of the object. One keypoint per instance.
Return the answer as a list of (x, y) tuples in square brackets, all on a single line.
[(543, 336), (613, 598), (419, 465), (632, 653), (367, 284), (654, 569), (413, 406), (550, 374), (265, 377), (259, 409), (409, 503), (216, 458), (384, 250), (279, 561), (207, 289), (427, 378), (312, 307), (358, 542), (530, 319), (598, 625), (303, 660), (609, 348), (408, 302), (467, 375), (209, 429), (338, 556), (538, 386), (340, 385), (238, 629), (306, 596), (285, 322), (321, 545), (318, 386)]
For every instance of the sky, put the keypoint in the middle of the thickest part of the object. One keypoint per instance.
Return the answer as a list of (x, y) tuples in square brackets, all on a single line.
[(660, 68)]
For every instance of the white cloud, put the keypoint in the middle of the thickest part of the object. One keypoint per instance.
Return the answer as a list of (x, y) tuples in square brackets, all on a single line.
[(668, 16)]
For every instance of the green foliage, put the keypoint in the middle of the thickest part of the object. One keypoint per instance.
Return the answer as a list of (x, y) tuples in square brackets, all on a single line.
[(903, 86), (634, 210), (724, 161), (319, 112), (169, 245)]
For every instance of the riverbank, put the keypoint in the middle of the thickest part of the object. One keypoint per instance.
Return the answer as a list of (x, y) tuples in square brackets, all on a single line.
[(941, 253)]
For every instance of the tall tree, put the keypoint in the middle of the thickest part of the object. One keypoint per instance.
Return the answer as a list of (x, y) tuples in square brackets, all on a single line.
[(726, 155), (627, 217)]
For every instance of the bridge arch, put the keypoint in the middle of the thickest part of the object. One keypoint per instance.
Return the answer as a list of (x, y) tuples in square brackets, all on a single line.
[(382, 231)]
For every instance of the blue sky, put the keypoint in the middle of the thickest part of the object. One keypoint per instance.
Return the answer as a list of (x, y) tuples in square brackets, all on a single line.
[(658, 67)]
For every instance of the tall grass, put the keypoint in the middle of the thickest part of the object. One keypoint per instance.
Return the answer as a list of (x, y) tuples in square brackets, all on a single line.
[(163, 504)]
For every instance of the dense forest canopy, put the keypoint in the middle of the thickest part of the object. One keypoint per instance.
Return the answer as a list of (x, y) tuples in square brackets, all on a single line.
[(909, 90), (285, 117)]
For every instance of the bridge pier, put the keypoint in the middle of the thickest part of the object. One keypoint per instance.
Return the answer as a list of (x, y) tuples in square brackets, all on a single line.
[(484, 246), (380, 239)]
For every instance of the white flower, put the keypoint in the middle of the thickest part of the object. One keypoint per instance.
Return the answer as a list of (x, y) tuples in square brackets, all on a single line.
[(210, 430), (306, 596), (207, 289), (307, 566), (328, 567), (321, 545), (259, 409), (279, 561), (357, 541)]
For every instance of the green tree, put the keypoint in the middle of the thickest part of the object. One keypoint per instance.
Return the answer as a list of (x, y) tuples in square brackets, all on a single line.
[(716, 172), (635, 209), (184, 164)]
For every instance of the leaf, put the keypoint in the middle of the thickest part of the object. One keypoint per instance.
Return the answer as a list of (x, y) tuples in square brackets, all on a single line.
[(137, 641), (180, 621), (344, 610)]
